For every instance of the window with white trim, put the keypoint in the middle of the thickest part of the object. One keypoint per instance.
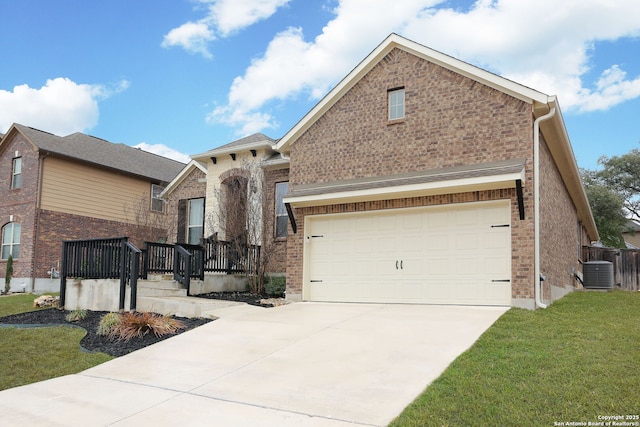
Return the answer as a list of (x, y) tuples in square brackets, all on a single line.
[(16, 173), (396, 104), (195, 226), (10, 240), (157, 204), (281, 230)]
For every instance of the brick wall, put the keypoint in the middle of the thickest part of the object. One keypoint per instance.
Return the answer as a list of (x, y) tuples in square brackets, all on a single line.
[(189, 188), (55, 227), (274, 249), (20, 202), (560, 234), (450, 120)]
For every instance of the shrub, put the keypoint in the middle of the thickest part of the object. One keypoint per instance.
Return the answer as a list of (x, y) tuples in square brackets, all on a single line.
[(275, 286), (107, 324), (8, 274), (133, 324), (76, 315)]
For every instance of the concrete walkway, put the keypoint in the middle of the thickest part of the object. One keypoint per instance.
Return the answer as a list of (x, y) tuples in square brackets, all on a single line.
[(303, 364)]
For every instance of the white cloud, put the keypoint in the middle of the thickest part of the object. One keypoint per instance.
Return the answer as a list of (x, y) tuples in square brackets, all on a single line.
[(539, 44), (230, 16), (612, 88), (164, 151), (224, 17), (193, 37), (61, 106)]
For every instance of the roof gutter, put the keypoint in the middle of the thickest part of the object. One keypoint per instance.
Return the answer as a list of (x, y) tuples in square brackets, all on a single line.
[(536, 203)]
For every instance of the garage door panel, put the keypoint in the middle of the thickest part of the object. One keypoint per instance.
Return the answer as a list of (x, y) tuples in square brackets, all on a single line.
[(443, 255)]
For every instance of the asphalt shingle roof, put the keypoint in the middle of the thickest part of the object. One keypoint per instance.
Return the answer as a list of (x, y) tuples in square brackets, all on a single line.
[(104, 153)]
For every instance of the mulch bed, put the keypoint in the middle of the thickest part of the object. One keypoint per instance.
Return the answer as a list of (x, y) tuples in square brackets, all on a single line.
[(246, 297), (93, 342)]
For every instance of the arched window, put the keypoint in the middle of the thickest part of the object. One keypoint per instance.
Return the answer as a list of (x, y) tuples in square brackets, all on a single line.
[(10, 240)]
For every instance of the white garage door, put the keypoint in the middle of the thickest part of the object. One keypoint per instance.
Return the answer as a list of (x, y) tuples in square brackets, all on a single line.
[(454, 254)]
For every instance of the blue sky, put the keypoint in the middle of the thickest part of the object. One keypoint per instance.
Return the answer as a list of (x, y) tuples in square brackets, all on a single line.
[(185, 76)]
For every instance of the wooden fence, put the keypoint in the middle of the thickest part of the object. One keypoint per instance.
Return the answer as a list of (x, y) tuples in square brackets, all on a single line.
[(626, 264)]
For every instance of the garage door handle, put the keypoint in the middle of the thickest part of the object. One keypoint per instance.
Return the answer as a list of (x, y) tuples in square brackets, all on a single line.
[(400, 265), (396, 265), (316, 281), (501, 280)]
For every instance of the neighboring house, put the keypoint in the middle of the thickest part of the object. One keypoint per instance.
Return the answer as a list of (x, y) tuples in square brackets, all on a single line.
[(56, 188), (419, 178), (631, 235)]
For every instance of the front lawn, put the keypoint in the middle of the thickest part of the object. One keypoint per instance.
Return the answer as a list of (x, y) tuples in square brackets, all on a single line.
[(31, 355), (570, 363)]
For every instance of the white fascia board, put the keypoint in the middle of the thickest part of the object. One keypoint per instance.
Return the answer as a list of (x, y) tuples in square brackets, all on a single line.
[(493, 182)]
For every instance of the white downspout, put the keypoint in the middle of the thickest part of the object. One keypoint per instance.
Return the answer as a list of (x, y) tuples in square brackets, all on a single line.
[(536, 203)]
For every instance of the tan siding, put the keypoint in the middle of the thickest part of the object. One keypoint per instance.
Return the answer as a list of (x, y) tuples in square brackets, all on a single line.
[(79, 189)]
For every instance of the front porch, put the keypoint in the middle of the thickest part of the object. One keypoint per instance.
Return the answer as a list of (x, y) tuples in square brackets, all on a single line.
[(111, 274)]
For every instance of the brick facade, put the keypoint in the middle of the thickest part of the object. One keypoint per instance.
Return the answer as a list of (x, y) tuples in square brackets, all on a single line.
[(274, 249), (20, 202), (450, 120), (193, 186), (56, 227), (561, 236)]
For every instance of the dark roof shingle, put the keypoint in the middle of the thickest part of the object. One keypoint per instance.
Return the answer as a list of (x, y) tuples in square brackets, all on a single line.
[(104, 153)]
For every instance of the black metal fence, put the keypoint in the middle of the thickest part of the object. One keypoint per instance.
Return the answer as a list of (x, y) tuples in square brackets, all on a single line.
[(117, 258), (114, 258), (217, 256)]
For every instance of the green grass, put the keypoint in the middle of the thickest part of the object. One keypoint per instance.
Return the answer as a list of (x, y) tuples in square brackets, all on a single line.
[(573, 361), (18, 303), (31, 355)]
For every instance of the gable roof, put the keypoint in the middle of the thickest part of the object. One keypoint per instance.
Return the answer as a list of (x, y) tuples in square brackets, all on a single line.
[(394, 41), (251, 142), (553, 130), (185, 172), (100, 152)]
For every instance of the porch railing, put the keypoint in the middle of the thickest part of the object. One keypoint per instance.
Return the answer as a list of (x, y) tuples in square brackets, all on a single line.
[(114, 258), (217, 256), (117, 258)]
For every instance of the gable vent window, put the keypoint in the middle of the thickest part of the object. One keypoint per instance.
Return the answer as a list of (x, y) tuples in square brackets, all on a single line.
[(396, 104), (157, 204), (16, 174)]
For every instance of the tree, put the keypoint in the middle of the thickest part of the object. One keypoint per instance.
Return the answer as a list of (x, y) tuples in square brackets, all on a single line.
[(607, 207), (622, 175), (238, 219), (146, 224)]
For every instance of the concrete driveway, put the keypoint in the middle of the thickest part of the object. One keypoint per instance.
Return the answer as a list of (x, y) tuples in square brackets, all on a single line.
[(304, 364)]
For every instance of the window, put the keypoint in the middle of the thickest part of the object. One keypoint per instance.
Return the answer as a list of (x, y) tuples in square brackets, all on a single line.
[(195, 227), (10, 241), (16, 174), (396, 104), (282, 188), (157, 204)]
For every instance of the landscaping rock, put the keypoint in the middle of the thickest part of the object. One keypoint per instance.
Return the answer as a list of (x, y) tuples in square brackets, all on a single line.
[(46, 301)]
